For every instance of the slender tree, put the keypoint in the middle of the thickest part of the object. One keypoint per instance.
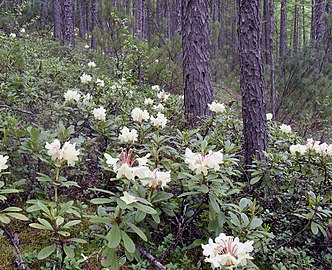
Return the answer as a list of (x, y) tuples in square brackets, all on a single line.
[(296, 27), (252, 80), (94, 17), (283, 31), (69, 35), (57, 19), (271, 58), (196, 59)]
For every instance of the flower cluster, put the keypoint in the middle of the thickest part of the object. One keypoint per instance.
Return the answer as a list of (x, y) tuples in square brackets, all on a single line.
[(72, 95), (85, 78), (66, 153), (99, 113), (163, 95), (100, 83), (139, 115), (227, 251), (155, 87), (124, 166), (3, 161), (159, 121), (269, 116), (217, 107), (201, 162), (92, 64), (286, 128), (128, 136), (148, 101), (322, 149)]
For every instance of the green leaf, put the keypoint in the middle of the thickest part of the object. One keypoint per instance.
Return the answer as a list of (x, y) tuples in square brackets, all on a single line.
[(256, 222), (69, 251), (138, 231), (4, 219), (110, 259), (45, 223), (12, 209), (139, 216), (18, 216), (127, 242), (78, 240), (255, 180), (66, 207), (162, 196), (43, 208), (114, 237), (46, 251), (39, 226), (64, 233), (71, 223), (145, 208), (59, 221), (101, 201), (314, 228)]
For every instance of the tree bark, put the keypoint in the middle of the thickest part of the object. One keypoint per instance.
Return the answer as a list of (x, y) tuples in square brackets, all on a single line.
[(57, 19), (271, 58), (69, 34), (94, 17), (319, 22), (296, 28), (252, 80), (196, 60), (283, 31)]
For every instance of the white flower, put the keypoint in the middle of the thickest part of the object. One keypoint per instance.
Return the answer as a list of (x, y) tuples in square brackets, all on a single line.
[(100, 83), (159, 107), (227, 251), (163, 95), (139, 115), (155, 177), (128, 136), (201, 162), (85, 78), (3, 161), (159, 121), (155, 87), (127, 198), (269, 116), (69, 153), (72, 95), (143, 160), (285, 128), (66, 153), (298, 148), (13, 35), (54, 149), (86, 46), (87, 99), (148, 101), (22, 31), (92, 64), (99, 113), (217, 107)]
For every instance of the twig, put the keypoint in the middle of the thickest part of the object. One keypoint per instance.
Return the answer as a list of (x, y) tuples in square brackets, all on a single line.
[(15, 109), (20, 261), (151, 258)]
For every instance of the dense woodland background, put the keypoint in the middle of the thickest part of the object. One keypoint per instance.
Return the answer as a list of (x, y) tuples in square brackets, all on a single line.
[(262, 59)]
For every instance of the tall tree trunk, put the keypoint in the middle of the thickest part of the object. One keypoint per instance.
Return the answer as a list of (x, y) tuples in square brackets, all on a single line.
[(271, 58), (69, 34), (283, 31), (81, 18), (296, 28), (94, 17), (196, 60), (265, 31), (44, 12), (252, 80), (128, 8), (304, 38), (319, 21), (57, 19)]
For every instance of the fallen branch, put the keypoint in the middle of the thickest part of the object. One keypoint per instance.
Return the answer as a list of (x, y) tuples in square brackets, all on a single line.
[(151, 258), (4, 107), (14, 242)]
